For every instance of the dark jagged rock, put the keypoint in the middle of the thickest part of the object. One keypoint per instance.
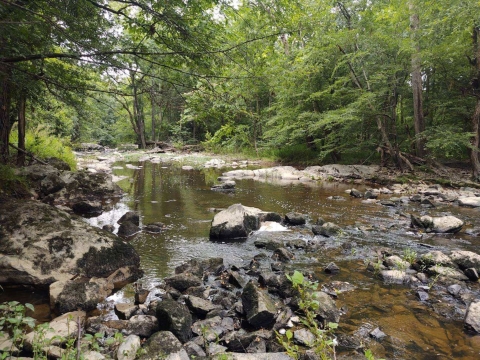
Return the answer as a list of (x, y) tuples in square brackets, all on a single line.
[(258, 306), (377, 334), (161, 343), (327, 229), (355, 193), (199, 306), (109, 228), (183, 281), (282, 254), (332, 268), (87, 208), (154, 228), (327, 310), (127, 229), (174, 317), (294, 218), (200, 267), (131, 217)]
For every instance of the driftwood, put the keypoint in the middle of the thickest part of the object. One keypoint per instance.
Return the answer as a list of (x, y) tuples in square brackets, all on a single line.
[(28, 154)]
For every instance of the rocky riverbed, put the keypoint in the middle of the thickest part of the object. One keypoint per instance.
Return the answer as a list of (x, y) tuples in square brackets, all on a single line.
[(210, 306)]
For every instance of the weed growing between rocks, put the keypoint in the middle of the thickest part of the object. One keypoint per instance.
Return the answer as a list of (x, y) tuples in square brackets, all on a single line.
[(323, 341)]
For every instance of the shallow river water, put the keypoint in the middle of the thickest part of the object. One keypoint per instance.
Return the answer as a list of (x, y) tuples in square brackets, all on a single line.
[(183, 201)]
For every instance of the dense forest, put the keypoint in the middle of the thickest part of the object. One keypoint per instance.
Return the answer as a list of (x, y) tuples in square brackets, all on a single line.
[(356, 81)]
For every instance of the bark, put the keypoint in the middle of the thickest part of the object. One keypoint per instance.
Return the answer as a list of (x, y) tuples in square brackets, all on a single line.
[(21, 129), (475, 140), (417, 85), (138, 114), (152, 101), (4, 114)]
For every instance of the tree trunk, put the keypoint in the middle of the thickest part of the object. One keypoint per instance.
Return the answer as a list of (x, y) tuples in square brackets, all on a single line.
[(152, 101), (21, 129), (4, 114), (475, 140), (137, 114), (417, 85)]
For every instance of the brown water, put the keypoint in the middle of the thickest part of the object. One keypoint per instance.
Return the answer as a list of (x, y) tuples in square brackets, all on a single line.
[(182, 199)]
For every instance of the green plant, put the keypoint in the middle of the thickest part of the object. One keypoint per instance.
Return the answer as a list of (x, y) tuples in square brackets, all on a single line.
[(324, 344), (10, 183), (369, 355), (409, 255), (14, 324)]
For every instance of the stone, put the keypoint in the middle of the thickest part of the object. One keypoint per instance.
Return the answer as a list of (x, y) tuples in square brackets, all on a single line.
[(183, 281), (394, 276), (472, 274), (327, 310), (332, 268), (396, 262), (237, 221), (294, 218), (226, 185), (128, 348), (304, 337), (355, 193), (436, 257), (422, 295), (141, 296), (267, 242), (81, 293), (258, 306), (282, 254), (131, 217), (87, 208), (174, 317), (328, 229), (179, 355), (109, 228), (201, 267), (199, 306), (447, 272), (256, 356), (369, 194), (211, 329), (454, 289), (160, 344), (472, 317), (470, 201), (127, 229), (125, 310), (236, 279), (154, 228), (466, 259), (193, 350), (51, 184), (141, 325), (377, 334), (442, 224), (57, 163), (239, 340), (122, 277)]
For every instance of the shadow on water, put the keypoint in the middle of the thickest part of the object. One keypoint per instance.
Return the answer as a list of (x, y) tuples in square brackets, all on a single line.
[(183, 201)]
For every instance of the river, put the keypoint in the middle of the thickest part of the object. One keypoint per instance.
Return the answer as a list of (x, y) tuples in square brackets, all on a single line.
[(184, 202)]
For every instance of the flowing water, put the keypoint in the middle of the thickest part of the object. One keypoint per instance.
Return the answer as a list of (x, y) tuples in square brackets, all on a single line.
[(183, 201)]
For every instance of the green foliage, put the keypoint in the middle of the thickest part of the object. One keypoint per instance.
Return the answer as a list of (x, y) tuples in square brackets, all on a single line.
[(42, 144), (10, 183), (324, 344), (14, 324), (299, 154)]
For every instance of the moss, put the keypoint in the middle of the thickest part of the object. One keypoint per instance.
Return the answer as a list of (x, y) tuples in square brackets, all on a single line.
[(103, 262)]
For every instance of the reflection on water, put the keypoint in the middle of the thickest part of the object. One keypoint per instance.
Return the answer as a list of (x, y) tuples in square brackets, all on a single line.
[(182, 200)]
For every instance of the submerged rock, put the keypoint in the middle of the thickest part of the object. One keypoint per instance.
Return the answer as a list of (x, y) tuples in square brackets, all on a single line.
[(294, 218)]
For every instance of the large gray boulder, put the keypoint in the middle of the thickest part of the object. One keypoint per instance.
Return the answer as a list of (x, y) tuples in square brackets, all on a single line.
[(472, 317), (466, 259), (258, 306), (238, 221), (40, 244), (442, 224)]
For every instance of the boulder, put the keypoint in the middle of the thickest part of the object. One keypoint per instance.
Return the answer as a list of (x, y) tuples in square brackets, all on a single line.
[(466, 259), (130, 217), (237, 221), (211, 329), (183, 281), (328, 229), (294, 218), (442, 224), (128, 229), (304, 337), (394, 276), (355, 193), (125, 311), (87, 208), (447, 272), (199, 306), (140, 325), (226, 185), (160, 344), (327, 310), (81, 293), (472, 317), (258, 306), (42, 244), (128, 348), (174, 317), (472, 201)]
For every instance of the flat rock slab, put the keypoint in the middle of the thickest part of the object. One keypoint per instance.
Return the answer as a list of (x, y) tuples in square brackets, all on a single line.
[(472, 201)]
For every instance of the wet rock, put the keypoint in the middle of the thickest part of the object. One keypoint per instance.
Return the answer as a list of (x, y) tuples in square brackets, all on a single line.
[(200, 268), (174, 317), (422, 295), (443, 224), (241, 339), (394, 276), (226, 185), (328, 229), (466, 259), (436, 258), (128, 348), (304, 337), (125, 311), (276, 283), (337, 287), (396, 262), (160, 344), (140, 325), (472, 201), (258, 345), (268, 243), (282, 255), (355, 193), (332, 268), (235, 222), (369, 194), (51, 183), (454, 289), (79, 294), (426, 203), (155, 227), (109, 228), (236, 279), (258, 306), (377, 334), (447, 272), (141, 296), (87, 208), (211, 329), (283, 319), (121, 277), (472, 318), (294, 218), (388, 203), (199, 306), (130, 217), (327, 310), (127, 229), (472, 274), (183, 281)]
